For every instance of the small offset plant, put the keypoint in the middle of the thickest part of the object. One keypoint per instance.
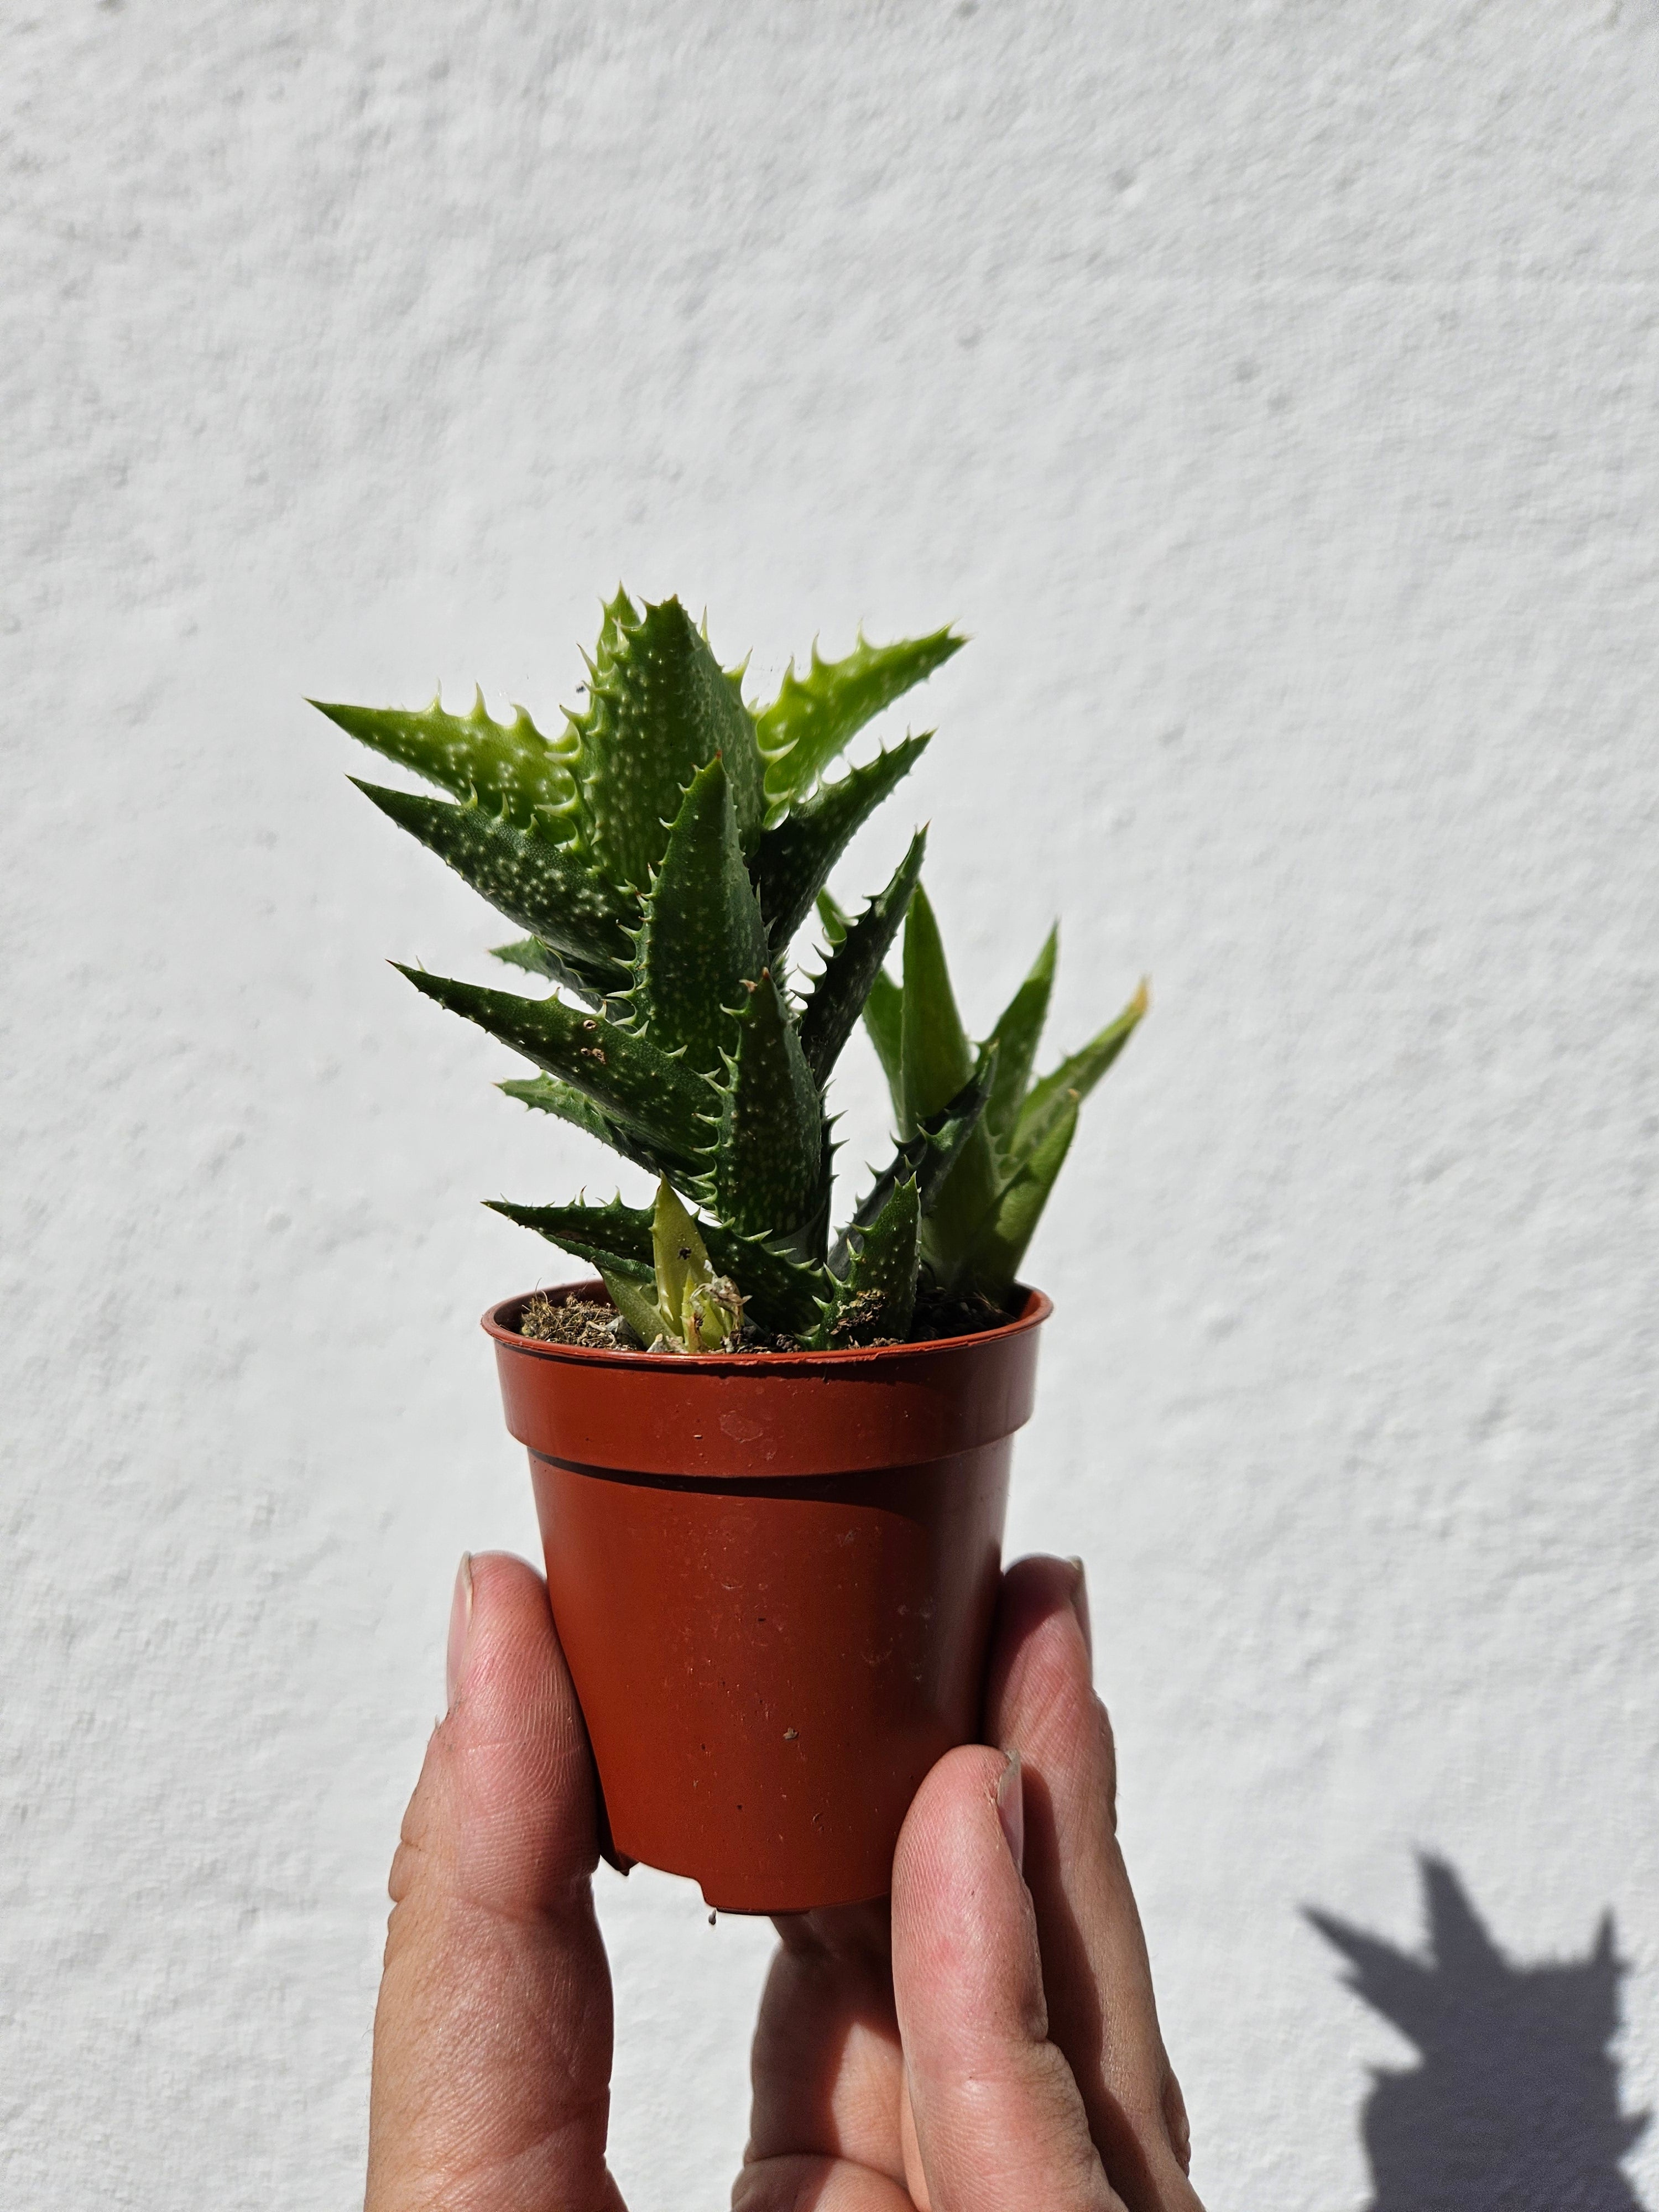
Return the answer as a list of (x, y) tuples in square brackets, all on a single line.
[(662, 851)]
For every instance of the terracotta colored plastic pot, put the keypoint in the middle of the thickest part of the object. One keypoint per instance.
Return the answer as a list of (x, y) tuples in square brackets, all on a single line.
[(773, 1575)]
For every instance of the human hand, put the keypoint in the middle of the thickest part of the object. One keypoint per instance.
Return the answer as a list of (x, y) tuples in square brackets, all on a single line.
[(991, 2045)]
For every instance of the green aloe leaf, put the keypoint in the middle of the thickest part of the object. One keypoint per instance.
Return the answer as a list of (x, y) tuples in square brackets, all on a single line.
[(702, 937), (678, 1253), (624, 1075), (660, 708), (536, 958), (533, 957), (1076, 1077), (935, 1061), (615, 1237), (607, 1238), (546, 888), (839, 995), (547, 1095), (883, 1017), (780, 1290), (791, 862), (509, 769), (816, 716), (703, 1311), (624, 1243), (767, 1170), (935, 1058), (924, 1159), (878, 1296), (960, 1204), (1015, 1036), (636, 1306), (994, 1254)]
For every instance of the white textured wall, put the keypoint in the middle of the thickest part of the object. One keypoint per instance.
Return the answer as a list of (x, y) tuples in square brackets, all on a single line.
[(1269, 389)]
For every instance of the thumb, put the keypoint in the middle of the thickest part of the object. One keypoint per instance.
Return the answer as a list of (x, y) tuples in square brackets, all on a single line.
[(492, 2036), (999, 2125)]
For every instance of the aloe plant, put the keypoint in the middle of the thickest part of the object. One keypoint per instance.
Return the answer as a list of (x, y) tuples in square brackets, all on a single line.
[(663, 850)]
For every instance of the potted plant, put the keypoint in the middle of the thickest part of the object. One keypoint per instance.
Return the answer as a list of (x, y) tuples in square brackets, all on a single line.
[(770, 1462)]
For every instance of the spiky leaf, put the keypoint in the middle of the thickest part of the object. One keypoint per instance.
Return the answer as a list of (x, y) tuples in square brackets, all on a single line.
[(533, 957), (924, 1159), (878, 1295), (536, 958), (686, 1306), (702, 937), (636, 1306), (624, 1075), (839, 995), (547, 1095), (659, 706), (766, 1176), (509, 768), (994, 1254), (615, 1237), (883, 1017), (543, 887), (816, 716), (782, 1290), (935, 1062), (1076, 1077), (791, 862), (1015, 1036), (934, 1054)]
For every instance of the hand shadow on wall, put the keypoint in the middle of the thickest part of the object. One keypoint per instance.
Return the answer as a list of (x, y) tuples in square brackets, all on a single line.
[(1514, 2106)]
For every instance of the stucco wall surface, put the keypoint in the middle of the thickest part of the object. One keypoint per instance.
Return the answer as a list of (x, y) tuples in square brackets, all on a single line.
[(1269, 391)]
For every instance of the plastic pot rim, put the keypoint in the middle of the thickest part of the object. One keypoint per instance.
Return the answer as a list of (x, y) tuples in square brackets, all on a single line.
[(1035, 1308)]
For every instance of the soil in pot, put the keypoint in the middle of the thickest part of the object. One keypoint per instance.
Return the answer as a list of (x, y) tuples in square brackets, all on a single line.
[(563, 1317)]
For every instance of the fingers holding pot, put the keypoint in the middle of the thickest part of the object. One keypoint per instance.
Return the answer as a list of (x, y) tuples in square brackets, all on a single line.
[(1040, 1702), (492, 2036)]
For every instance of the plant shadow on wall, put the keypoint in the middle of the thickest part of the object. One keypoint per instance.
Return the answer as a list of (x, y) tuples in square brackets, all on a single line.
[(1514, 2106)]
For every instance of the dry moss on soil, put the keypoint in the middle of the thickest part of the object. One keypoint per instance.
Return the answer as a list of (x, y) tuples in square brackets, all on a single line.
[(595, 1325)]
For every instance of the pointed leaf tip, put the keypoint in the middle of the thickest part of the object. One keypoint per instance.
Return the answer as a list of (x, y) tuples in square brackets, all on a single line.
[(816, 716), (936, 1057), (792, 861), (877, 1297), (510, 768), (659, 706), (1018, 1027), (544, 886), (655, 1096), (1075, 1077), (701, 934), (859, 948), (994, 1251)]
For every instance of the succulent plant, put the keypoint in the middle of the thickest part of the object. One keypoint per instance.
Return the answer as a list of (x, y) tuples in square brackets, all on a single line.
[(663, 850)]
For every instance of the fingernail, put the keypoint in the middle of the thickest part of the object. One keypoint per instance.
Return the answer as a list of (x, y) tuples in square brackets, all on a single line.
[(460, 1620), (1177, 2123), (1011, 1810), (1080, 1606)]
